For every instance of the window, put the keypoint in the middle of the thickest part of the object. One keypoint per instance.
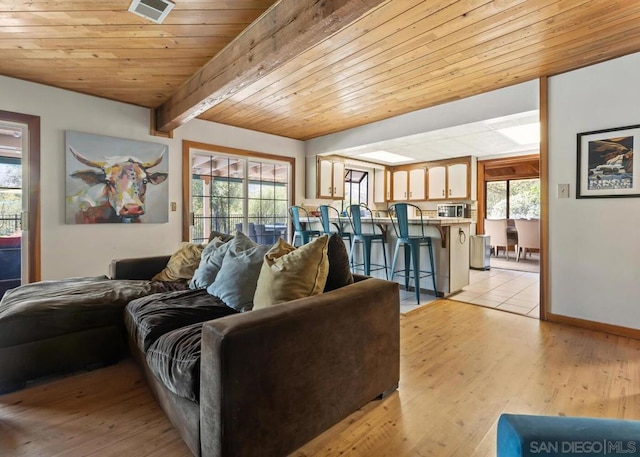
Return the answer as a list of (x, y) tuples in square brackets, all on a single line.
[(513, 199), (231, 193), (356, 189), (10, 195)]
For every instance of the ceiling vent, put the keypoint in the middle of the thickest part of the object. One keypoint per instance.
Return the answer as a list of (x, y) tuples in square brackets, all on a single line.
[(154, 10)]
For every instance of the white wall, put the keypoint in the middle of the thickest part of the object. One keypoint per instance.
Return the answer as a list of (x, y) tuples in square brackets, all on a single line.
[(594, 244), (85, 250)]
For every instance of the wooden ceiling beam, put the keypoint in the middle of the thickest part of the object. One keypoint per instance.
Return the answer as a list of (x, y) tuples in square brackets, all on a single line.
[(282, 33)]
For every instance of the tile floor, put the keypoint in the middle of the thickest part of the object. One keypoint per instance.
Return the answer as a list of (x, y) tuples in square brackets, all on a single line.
[(508, 290), (408, 300)]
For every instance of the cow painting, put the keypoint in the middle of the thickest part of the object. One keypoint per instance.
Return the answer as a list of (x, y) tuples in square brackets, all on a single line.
[(113, 189)]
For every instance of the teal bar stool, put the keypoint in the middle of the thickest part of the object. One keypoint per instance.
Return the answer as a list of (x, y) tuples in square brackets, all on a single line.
[(326, 213), (412, 245), (366, 237), (299, 215)]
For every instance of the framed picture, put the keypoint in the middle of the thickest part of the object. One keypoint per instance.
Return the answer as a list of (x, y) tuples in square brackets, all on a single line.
[(605, 163), (115, 180)]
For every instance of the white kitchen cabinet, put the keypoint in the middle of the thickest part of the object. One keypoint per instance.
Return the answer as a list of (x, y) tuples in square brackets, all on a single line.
[(388, 184), (437, 182), (400, 185), (457, 176), (330, 178), (417, 184), (409, 184), (449, 180), (379, 185)]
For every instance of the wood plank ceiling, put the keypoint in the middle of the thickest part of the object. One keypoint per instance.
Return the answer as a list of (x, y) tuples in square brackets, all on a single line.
[(400, 57)]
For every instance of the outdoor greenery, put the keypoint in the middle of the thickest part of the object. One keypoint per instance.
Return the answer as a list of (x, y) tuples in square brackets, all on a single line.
[(523, 199), (221, 204), (10, 198)]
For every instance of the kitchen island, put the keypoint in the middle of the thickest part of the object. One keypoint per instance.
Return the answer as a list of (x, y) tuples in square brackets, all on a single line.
[(450, 237)]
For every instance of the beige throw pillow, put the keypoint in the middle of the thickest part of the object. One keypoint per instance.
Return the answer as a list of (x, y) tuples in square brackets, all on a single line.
[(289, 273), (182, 264)]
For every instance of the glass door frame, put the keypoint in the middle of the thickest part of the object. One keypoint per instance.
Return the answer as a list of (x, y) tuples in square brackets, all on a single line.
[(188, 146), (31, 218)]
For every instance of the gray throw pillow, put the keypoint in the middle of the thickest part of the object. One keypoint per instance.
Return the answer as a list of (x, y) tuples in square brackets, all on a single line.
[(210, 264), (237, 279)]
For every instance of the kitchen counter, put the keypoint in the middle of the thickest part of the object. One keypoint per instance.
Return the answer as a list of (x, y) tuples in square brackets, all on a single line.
[(451, 246)]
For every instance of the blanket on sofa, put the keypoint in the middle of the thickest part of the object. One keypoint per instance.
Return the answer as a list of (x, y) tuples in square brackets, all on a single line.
[(74, 300)]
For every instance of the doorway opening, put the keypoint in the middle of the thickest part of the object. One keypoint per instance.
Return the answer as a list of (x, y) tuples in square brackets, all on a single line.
[(19, 199), (11, 205)]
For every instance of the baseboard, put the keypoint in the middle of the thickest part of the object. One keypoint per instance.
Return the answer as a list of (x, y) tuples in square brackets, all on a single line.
[(592, 325)]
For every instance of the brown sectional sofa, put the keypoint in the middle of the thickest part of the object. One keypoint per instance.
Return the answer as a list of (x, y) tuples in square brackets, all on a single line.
[(267, 381)]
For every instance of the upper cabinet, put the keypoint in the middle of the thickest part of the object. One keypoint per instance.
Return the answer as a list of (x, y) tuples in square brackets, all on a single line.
[(437, 182), (450, 179), (458, 181), (381, 185), (418, 183), (330, 179), (409, 183), (400, 184)]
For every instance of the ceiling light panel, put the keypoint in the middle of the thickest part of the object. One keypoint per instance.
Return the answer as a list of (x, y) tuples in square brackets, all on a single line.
[(385, 156), (523, 134)]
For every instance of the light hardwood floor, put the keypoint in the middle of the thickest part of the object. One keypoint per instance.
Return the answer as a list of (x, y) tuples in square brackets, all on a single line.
[(461, 367)]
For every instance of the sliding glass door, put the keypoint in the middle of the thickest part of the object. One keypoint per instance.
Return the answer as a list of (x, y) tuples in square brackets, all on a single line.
[(233, 194)]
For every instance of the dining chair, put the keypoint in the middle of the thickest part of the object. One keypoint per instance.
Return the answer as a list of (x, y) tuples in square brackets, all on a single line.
[(497, 230), (300, 216), (528, 236)]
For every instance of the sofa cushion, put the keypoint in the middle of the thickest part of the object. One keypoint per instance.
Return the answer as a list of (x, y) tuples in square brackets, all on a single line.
[(174, 358), (236, 281), (148, 318), (182, 264), (210, 264), (289, 273), (339, 264)]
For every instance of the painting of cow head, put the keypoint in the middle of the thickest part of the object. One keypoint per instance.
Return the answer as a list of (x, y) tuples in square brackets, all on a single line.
[(115, 188)]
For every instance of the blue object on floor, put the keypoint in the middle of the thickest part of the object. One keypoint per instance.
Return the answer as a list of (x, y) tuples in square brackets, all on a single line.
[(535, 436)]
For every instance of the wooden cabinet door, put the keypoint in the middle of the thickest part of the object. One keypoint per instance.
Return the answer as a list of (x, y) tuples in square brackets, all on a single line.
[(400, 185), (325, 177), (457, 175), (387, 186), (417, 184), (437, 183), (338, 180), (379, 187)]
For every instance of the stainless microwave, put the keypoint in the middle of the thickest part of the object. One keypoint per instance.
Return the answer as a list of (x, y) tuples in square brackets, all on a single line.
[(454, 210)]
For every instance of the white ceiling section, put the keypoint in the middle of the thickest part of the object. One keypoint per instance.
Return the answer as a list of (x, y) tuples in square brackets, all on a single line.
[(464, 127), (484, 139)]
